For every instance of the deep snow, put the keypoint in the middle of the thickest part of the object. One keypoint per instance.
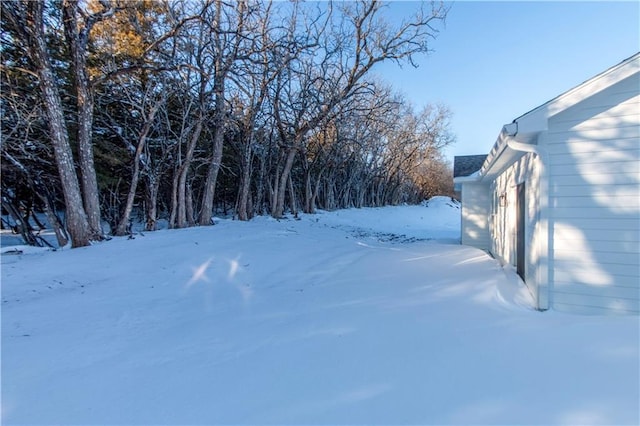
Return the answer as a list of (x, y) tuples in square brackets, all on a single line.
[(370, 316)]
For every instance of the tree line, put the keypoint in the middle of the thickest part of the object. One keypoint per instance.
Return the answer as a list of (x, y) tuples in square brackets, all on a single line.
[(114, 110)]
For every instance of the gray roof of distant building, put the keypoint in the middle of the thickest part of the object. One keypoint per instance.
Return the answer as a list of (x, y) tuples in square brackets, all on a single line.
[(465, 165)]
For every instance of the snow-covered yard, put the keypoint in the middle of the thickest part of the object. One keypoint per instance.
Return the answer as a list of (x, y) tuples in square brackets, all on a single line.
[(370, 316)]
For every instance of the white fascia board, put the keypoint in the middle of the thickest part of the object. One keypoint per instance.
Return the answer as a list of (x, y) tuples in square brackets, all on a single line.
[(528, 126), (509, 147), (496, 151), (473, 177), (496, 154), (594, 85)]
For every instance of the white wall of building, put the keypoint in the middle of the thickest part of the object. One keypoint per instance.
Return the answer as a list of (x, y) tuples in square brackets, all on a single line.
[(503, 223), (476, 201), (579, 158), (594, 157)]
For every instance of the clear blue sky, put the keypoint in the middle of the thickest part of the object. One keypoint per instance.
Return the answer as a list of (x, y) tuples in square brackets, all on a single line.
[(494, 61)]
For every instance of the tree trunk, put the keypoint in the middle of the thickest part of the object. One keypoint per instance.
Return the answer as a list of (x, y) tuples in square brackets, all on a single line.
[(311, 192), (182, 175), (212, 176), (272, 182), (90, 193), (22, 225), (260, 186), (278, 211), (222, 65), (189, 211), (206, 212), (331, 193), (153, 185), (314, 196), (174, 198), (135, 176), (245, 183), (308, 194), (54, 221), (77, 39), (41, 191), (292, 198), (77, 222)]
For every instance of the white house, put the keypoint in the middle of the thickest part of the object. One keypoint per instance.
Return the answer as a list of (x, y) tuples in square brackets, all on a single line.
[(558, 196)]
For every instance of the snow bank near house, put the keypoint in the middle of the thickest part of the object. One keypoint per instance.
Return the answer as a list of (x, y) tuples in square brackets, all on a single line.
[(365, 316)]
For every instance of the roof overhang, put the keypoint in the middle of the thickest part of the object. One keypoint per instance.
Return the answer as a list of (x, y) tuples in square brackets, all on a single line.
[(521, 136), (510, 146), (474, 177)]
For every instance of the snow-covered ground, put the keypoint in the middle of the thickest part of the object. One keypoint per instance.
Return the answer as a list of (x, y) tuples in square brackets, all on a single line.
[(369, 316)]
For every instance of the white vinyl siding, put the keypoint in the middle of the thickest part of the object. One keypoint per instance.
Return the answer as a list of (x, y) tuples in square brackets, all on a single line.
[(476, 201), (579, 158), (504, 219), (594, 173)]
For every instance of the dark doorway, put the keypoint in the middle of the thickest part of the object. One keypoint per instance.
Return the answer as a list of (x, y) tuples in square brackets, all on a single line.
[(520, 222)]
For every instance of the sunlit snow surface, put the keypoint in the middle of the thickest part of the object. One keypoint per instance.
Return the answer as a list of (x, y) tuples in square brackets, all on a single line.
[(364, 316)]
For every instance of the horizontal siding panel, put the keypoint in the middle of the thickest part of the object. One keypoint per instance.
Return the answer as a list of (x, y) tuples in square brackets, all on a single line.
[(617, 201), (599, 245), (591, 273), (584, 189), (628, 166), (580, 128), (581, 158), (589, 146), (595, 117), (592, 310), (622, 93), (618, 239), (572, 200), (614, 304), (586, 129), (585, 226), (608, 257), (608, 116), (616, 178), (600, 291), (567, 268), (626, 130), (596, 106), (603, 213)]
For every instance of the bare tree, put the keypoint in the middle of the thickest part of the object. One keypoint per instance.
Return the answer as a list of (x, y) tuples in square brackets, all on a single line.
[(192, 61), (134, 140), (28, 171), (26, 19), (78, 23), (268, 50), (182, 105), (228, 30), (351, 43)]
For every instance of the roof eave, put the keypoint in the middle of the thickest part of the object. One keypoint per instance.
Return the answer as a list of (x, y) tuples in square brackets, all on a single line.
[(504, 152), (465, 179), (526, 128)]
